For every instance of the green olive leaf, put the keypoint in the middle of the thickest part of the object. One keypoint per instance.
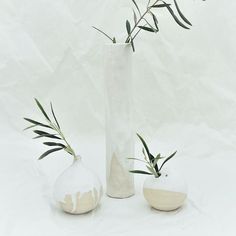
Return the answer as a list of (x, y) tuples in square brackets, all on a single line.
[(135, 17), (140, 172), (41, 108), (102, 32), (29, 127), (155, 162), (48, 152), (161, 5), (148, 29), (132, 44), (144, 144), (37, 123), (181, 14), (54, 116), (167, 159), (54, 144), (128, 27), (42, 134), (155, 21), (176, 18), (136, 5)]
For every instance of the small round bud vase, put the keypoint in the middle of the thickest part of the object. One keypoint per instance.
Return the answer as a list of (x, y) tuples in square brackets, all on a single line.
[(166, 193), (77, 190)]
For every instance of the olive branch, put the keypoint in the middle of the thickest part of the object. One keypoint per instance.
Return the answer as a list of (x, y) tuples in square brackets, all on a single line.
[(142, 23), (151, 161), (51, 125)]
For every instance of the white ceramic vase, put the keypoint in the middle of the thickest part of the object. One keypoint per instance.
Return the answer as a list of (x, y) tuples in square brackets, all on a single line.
[(166, 193), (119, 129), (77, 190)]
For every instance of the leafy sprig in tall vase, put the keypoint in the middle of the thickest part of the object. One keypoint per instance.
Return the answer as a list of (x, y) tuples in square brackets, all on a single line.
[(143, 23)]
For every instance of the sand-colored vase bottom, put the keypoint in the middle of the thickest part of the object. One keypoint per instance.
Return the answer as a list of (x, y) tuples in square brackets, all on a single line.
[(82, 203), (164, 200), (120, 182)]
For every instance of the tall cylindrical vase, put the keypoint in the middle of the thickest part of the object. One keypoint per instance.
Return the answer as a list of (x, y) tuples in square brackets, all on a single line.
[(119, 130)]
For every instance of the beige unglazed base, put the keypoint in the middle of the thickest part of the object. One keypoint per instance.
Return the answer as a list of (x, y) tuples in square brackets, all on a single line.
[(83, 203), (77, 190), (120, 181), (164, 200)]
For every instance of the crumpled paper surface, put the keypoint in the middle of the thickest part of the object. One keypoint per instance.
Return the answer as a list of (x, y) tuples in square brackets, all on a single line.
[(184, 88)]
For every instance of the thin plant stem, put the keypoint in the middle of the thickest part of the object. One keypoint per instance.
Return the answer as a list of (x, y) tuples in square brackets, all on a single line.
[(103, 33), (148, 23), (139, 20), (137, 33), (58, 130), (150, 164)]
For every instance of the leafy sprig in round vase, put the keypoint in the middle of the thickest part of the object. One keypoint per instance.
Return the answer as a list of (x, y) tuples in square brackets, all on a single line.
[(77, 190), (163, 191)]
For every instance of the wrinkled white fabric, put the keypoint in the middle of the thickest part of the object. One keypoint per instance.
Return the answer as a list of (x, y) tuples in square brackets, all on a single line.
[(184, 89)]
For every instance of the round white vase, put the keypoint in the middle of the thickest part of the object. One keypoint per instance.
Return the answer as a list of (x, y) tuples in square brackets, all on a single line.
[(77, 190), (166, 193)]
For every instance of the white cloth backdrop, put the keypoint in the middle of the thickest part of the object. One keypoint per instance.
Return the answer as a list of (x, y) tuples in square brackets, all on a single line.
[(185, 99)]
